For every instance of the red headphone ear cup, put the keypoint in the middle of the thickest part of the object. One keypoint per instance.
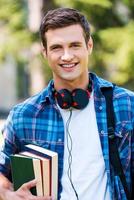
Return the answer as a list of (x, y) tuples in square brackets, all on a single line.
[(80, 98), (64, 98)]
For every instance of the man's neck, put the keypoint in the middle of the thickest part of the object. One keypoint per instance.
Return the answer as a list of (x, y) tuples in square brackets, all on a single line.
[(71, 84)]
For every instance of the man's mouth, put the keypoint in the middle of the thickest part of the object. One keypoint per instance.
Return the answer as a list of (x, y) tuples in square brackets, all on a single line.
[(70, 65)]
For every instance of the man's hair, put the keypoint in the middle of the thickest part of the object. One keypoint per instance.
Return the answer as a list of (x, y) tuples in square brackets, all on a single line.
[(63, 17)]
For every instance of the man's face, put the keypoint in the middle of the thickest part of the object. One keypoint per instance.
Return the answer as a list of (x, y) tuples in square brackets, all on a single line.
[(67, 54)]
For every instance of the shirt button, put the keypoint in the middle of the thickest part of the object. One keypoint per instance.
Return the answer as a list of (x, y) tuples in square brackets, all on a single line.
[(59, 140), (102, 132), (100, 107), (120, 132)]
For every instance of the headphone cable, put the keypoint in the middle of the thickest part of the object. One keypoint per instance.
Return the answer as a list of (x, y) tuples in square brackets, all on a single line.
[(69, 148)]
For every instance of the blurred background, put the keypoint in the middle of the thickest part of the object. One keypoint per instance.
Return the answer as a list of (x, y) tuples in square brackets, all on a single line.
[(23, 70)]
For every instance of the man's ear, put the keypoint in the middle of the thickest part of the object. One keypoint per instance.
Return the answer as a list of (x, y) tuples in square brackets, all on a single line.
[(90, 45), (43, 50)]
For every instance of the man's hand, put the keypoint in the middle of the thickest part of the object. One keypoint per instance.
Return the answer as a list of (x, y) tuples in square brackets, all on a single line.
[(23, 193)]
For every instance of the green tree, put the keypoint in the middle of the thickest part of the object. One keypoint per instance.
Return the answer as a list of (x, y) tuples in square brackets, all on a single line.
[(112, 25), (15, 39), (15, 36)]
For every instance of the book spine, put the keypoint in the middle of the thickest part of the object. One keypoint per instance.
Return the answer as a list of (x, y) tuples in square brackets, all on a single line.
[(38, 153)]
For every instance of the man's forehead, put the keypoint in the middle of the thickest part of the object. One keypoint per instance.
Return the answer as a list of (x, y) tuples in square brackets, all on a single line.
[(69, 27), (69, 34)]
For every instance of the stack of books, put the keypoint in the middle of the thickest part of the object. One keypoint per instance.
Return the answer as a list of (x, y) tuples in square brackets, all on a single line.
[(36, 163)]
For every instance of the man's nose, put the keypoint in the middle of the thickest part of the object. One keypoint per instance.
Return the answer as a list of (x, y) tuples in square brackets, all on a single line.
[(67, 56)]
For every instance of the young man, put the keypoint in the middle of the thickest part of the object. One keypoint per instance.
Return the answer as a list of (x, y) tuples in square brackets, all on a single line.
[(69, 117)]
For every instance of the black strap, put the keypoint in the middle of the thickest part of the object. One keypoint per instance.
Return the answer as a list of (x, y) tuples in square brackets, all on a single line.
[(113, 149)]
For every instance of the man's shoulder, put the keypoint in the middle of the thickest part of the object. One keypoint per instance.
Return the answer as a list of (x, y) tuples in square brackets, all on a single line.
[(124, 101), (30, 106), (120, 92)]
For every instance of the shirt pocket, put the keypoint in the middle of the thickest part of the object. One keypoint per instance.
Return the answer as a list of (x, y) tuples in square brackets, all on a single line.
[(40, 143), (123, 134)]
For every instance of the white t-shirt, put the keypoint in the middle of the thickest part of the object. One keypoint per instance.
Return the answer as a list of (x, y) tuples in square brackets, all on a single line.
[(88, 168)]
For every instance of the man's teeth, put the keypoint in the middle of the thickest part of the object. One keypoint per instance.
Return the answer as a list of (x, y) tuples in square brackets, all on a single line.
[(68, 65)]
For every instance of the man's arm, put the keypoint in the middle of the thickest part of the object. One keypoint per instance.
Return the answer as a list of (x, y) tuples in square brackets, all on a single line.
[(132, 165), (23, 193)]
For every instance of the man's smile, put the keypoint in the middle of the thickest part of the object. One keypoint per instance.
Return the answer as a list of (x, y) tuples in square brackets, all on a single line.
[(69, 65)]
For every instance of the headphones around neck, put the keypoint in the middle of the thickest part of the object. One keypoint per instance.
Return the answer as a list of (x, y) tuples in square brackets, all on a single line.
[(77, 99)]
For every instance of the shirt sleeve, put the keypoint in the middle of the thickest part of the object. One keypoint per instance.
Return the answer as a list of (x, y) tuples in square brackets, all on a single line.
[(8, 146), (133, 162)]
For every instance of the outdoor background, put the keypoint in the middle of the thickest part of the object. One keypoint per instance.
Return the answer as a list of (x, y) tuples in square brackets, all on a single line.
[(23, 70)]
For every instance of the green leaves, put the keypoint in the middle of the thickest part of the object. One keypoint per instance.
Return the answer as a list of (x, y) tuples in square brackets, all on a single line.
[(112, 29), (102, 3), (14, 35), (118, 54)]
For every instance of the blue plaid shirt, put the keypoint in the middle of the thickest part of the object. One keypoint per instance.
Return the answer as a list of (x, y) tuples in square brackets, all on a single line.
[(38, 121)]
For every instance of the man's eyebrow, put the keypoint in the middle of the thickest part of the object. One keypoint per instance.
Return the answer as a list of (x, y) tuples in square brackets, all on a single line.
[(59, 45), (54, 46)]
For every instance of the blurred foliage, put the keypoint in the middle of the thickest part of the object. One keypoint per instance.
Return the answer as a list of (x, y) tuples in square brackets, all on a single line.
[(16, 39), (15, 36), (112, 27), (118, 52), (70, 3)]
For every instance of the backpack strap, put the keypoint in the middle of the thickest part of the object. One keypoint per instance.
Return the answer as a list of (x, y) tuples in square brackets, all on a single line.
[(113, 149)]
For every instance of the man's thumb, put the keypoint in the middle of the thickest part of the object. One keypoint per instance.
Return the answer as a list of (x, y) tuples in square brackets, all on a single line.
[(29, 184)]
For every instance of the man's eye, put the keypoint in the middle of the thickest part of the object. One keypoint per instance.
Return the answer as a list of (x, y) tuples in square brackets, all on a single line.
[(75, 45), (56, 48)]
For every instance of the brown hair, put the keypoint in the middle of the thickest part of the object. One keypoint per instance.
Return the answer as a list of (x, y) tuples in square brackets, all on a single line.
[(63, 17)]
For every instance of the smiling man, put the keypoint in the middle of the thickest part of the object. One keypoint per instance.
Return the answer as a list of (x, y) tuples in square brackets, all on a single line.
[(69, 117), (67, 54)]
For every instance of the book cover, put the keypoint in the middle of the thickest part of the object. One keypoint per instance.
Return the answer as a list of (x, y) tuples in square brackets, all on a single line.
[(45, 171), (25, 169), (53, 156)]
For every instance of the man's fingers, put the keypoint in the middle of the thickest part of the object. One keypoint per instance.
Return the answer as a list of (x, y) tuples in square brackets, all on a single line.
[(44, 198), (25, 189), (29, 185)]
